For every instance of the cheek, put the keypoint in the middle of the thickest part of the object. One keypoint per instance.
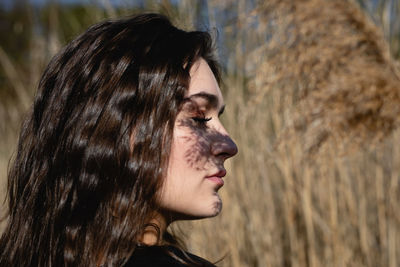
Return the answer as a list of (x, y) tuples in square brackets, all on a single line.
[(184, 166), (194, 149), (179, 166), (180, 149)]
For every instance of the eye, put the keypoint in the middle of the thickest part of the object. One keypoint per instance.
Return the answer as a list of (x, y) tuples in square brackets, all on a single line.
[(201, 120)]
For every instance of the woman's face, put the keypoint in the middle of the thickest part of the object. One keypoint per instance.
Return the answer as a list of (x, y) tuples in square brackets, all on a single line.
[(199, 148)]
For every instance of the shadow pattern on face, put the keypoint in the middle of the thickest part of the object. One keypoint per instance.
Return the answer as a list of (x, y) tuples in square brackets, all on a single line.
[(209, 148)]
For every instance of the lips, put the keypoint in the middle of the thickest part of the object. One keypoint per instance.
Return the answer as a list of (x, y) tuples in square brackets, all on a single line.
[(217, 177)]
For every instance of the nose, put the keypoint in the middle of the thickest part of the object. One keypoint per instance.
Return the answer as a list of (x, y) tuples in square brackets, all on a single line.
[(223, 146)]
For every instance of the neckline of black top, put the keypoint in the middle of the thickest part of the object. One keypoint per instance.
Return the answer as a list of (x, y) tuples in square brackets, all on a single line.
[(164, 256)]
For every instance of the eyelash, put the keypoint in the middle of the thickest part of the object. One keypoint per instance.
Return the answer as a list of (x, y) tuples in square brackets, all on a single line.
[(201, 120)]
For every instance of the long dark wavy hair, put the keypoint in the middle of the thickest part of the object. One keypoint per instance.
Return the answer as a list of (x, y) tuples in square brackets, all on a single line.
[(94, 150)]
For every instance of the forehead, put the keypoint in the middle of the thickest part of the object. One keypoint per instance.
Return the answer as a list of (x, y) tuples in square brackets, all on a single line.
[(202, 80)]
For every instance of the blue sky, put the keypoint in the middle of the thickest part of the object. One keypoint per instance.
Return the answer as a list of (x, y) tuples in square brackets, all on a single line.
[(9, 3)]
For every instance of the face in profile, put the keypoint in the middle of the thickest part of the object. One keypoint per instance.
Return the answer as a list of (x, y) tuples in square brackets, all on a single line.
[(199, 149)]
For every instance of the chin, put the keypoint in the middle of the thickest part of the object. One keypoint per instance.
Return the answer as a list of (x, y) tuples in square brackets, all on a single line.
[(216, 208), (213, 210)]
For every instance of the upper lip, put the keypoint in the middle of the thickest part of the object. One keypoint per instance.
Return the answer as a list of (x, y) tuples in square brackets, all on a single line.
[(221, 173)]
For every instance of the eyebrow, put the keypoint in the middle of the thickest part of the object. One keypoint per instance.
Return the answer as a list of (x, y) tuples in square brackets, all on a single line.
[(211, 99)]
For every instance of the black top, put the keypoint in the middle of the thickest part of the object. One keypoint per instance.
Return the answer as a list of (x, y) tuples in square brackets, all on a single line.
[(164, 256)]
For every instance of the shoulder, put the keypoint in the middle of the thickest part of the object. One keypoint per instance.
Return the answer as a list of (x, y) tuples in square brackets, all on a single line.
[(165, 256)]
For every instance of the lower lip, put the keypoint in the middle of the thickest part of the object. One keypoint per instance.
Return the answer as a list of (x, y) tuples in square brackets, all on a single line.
[(217, 180)]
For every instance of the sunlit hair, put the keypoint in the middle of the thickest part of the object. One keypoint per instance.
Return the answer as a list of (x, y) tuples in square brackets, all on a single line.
[(94, 149)]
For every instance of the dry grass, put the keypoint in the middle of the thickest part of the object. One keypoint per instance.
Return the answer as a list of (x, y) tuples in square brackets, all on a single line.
[(316, 181), (332, 67), (312, 98)]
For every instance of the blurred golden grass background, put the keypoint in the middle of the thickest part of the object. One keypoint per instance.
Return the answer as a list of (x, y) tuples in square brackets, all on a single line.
[(312, 89)]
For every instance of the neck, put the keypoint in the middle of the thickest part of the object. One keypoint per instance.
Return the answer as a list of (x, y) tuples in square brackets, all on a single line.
[(154, 231)]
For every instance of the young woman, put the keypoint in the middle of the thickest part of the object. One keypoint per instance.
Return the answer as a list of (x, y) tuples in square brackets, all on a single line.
[(124, 138)]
